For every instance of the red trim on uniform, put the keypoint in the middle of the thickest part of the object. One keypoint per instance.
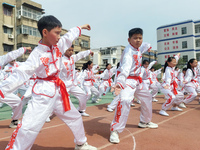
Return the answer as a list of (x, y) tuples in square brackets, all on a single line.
[(118, 114), (1, 94), (79, 31), (120, 85), (24, 50), (13, 137), (169, 100), (135, 78)]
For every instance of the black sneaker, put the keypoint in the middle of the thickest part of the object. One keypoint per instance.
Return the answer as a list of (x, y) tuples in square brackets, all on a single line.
[(13, 124)]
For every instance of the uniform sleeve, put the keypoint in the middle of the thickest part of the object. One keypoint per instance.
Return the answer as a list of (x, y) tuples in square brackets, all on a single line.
[(145, 47), (142, 71), (20, 75), (11, 56), (151, 64), (125, 67), (168, 77), (157, 72), (188, 75), (113, 69), (103, 74), (66, 40), (177, 58), (81, 55), (94, 69)]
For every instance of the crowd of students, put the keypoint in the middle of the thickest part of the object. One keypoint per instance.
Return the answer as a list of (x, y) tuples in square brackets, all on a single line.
[(48, 77)]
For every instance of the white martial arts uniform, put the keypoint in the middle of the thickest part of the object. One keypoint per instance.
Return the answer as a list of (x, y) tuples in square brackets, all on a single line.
[(68, 75), (87, 80), (106, 80), (172, 94), (128, 79), (191, 85), (155, 86), (49, 93), (11, 99)]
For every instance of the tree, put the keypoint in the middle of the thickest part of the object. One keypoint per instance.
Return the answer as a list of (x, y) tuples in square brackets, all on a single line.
[(181, 63), (157, 66)]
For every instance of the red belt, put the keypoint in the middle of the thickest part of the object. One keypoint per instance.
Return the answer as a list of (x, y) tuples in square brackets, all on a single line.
[(175, 86), (150, 80), (92, 80), (194, 80), (64, 94), (109, 81), (135, 78)]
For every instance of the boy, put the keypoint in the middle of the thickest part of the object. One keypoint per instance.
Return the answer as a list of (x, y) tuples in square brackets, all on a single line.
[(49, 91), (68, 75), (11, 99), (128, 81)]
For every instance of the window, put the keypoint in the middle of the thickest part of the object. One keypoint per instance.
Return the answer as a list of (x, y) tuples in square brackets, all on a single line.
[(28, 30), (7, 11), (197, 28), (185, 58), (184, 30), (198, 43), (7, 30), (102, 52), (85, 44), (108, 51), (184, 44), (105, 61), (7, 48), (30, 13), (76, 42), (114, 60)]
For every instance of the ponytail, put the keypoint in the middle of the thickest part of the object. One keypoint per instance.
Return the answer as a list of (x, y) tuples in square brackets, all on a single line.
[(189, 66), (166, 63)]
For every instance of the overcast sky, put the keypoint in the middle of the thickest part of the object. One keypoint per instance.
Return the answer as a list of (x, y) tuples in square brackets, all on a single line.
[(111, 20)]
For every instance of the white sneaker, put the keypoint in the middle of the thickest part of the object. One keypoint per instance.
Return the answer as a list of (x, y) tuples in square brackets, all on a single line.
[(1, 105), (164, 113), (138, 101), (48, 120), (176, 109), (182, 105), (109, 109), (85, 146), (95, 102), (13, 124), (132, 105), (114, 137), (84, 114), (154, 100), (148, 125)]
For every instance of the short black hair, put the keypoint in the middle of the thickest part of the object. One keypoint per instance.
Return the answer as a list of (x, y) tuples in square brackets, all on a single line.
[(145, 61), (72, 46), (184, 69), (135, 31), (48, 22)]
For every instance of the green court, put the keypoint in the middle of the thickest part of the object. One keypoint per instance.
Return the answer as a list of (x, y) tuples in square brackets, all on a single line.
[(5, 111)]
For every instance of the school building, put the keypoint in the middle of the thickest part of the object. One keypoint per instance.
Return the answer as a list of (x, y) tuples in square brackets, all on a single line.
[(182, 37), (18, 27)]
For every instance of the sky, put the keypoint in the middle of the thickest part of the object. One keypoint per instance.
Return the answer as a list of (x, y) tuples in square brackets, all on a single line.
[(110, 20)]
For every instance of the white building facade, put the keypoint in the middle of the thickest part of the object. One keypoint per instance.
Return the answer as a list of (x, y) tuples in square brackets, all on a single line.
[(105, 55), (182, 37)]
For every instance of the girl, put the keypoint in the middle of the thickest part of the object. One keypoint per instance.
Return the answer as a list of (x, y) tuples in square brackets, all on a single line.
[(169, 87), (191, 84), (89, 79), (106, 79)]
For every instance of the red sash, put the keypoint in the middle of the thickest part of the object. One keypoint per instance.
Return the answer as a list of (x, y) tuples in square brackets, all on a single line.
[(109, 81), (175, 86), (92, 80), (135, 78), (64, 94), (150, 80)]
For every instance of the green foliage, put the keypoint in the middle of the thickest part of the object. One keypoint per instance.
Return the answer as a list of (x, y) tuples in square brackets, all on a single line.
[(181, 63), (157, 66)]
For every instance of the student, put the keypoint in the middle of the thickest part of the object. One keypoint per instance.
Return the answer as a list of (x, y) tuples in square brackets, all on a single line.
[(191, 81), (145, 74), (169, 87), (88, 79), (128, 80), (106, 80), (11, 99), (68, 75), (155, 86), (49, 91)]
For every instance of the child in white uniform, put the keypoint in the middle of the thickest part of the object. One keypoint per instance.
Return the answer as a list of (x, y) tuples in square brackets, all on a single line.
[(49, 91), (128, 80), (170, 87), (68, 75)]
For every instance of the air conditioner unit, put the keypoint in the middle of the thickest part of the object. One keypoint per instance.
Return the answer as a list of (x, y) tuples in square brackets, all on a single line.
[(19, 17), (10, 36)]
